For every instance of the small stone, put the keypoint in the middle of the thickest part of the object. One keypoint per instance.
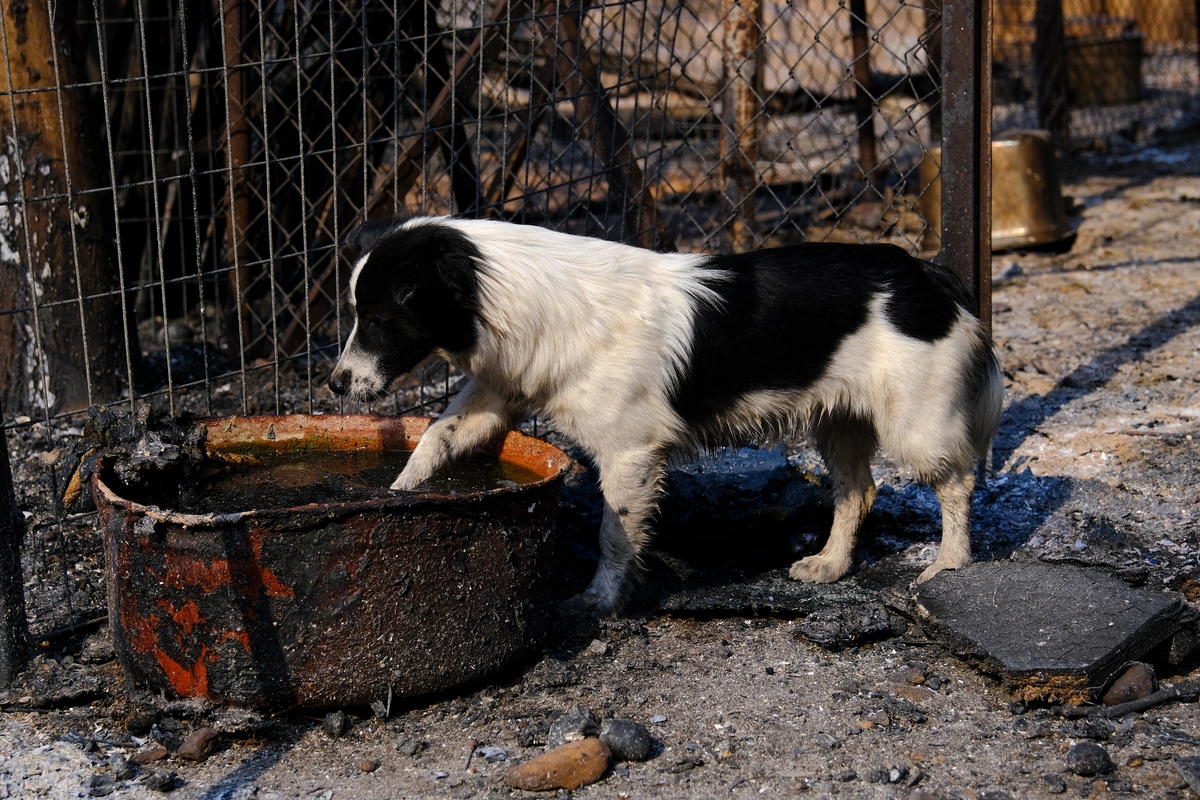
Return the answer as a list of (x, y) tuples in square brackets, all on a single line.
[(897, 773), (368, 765), (336, 723), (101, 785), (1135, 683), (409, 745), (658, 719), (596, 649), (845, 776), (159, 780), (909, 675), (995, 794), (1054, 784), (199, 745), (934, 682), (492, 754), (879, 718), (573, 765), (825, 740), (628, 740), (1088, 758), (440, 774), (148, 755), (913, 694), (122, 770), (578, 724)]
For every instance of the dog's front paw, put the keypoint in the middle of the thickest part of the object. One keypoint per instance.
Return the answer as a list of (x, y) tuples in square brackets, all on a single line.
[(587, 604), (819, 569)]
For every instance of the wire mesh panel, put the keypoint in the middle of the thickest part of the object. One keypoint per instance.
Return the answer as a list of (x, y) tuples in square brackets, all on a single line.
[(1127, 69), (177, 176)]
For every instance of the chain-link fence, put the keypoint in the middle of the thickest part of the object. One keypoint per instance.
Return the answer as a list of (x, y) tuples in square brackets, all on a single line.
[(1096, 72), (177, 177)]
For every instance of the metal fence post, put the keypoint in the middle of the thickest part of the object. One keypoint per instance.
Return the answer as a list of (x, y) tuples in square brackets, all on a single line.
[(13, 625), (741, 110), (967, 148)]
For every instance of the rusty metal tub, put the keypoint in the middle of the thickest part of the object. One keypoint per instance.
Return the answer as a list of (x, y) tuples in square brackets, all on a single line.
[(329, 604)]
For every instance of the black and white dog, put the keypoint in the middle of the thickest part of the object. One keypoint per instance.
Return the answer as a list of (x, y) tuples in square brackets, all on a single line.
[(635, 354)]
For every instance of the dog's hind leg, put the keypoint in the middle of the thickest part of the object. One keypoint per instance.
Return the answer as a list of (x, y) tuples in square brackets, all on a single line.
[(472, 419), (954, 495), (630, 483), (846, 444)]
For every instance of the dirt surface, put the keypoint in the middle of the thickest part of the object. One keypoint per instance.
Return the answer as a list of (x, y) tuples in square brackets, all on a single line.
[(1097, 463)]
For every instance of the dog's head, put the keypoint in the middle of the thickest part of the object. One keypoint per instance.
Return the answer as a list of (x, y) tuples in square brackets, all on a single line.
[(413, 291)]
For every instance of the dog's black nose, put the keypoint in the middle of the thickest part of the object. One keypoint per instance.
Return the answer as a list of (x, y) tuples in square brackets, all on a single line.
[(339, 382)]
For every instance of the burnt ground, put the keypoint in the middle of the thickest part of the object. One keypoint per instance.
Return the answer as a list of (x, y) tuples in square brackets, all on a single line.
[(1097, 463)]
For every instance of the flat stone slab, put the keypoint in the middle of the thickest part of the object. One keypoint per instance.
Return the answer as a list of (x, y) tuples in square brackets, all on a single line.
[(832, 614), (1052, 632)]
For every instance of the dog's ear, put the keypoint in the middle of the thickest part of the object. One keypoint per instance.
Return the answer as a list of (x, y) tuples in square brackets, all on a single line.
[(366, 234), (457, 269)]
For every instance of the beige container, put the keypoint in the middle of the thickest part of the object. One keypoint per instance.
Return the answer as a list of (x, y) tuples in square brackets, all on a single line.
[(1027, 202)]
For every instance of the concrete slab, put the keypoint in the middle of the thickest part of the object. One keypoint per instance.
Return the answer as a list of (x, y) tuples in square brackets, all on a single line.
[(1051, 632)]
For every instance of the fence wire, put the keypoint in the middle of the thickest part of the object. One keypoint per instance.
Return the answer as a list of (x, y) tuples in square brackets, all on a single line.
[(178, 175)]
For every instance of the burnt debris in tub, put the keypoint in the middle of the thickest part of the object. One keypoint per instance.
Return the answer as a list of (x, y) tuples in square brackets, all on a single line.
[(333, 601)]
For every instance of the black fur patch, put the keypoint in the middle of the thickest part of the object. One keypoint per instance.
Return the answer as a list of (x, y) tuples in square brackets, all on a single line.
[(418, 291), (786, 310)]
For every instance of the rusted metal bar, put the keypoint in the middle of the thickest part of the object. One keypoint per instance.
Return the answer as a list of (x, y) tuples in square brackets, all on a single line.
[(238, 142), (933, 55), (1050, 70), (13, 626), (741, 110), (864, 103), (967, 147), (579, 76)]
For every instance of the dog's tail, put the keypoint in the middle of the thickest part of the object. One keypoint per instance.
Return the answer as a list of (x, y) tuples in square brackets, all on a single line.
[(985, 397)]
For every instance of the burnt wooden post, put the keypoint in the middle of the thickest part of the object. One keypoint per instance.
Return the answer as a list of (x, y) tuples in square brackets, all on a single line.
[(933, 56), (864, 103), (967, 148), (741, 110), (599, 127), (57, 256), (1050, 70), (238, 156), (13, 633)]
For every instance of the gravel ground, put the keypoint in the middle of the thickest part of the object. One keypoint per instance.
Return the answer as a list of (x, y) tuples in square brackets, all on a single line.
[(1096, 463)]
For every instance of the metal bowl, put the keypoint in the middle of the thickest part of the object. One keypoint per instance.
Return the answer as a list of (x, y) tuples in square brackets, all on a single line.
[(1027, 201), (329, 604)]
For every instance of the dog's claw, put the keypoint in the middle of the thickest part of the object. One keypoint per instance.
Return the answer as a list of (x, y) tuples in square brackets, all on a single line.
[(937, 567), (818, 569), (404, 484)]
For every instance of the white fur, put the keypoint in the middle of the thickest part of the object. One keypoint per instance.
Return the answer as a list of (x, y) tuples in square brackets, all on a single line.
[(595, 335)]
